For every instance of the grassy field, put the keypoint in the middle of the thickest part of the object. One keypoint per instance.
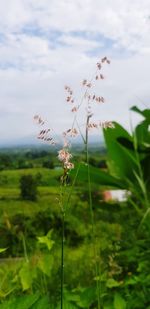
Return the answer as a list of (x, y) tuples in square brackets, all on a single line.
[(31, 236)]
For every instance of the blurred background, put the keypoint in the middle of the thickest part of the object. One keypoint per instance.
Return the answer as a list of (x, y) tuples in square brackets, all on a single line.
[(44, 46)]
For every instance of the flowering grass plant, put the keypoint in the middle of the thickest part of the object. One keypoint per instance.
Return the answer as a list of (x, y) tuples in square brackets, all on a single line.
[(65, 157)]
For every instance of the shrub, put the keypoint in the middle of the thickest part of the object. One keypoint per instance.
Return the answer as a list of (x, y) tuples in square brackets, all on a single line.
[(28, 187)]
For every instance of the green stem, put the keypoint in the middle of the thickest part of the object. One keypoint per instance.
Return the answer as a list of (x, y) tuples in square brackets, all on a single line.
[(94, 238), (92, 215), (64, 208), (25, 248), (62, 259), (71, 190), (144, 191)]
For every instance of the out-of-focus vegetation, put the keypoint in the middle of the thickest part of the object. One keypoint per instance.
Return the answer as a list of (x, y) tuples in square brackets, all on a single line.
[(30, 229)]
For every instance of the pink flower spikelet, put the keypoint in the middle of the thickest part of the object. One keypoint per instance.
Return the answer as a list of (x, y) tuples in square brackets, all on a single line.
[(64, 156)]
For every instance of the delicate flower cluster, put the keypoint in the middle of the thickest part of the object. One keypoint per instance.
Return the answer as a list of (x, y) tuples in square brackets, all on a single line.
[(92, 125), (69, 94), (94, 98), (98, 99), (69, 165), (100, 76), (70, 99), (89, 84), (105, 59), (74, 109), (64, 156), (38, 120), (44, 134), (107, 124), (86, 83), (101, 124), (71, 132)]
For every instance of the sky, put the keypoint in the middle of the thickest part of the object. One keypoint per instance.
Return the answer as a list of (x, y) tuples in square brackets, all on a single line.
[(46, 44)]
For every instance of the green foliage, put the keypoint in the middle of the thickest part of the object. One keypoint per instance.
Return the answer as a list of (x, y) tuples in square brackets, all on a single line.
[(112, 283), (48, 164), (97, 177), (46, 240), (42, 303), (129, 157), (27, 302), (119, 302), (30, 270), (28, 187), (2, 250), (121, 160), (25, 275), (47, 177)]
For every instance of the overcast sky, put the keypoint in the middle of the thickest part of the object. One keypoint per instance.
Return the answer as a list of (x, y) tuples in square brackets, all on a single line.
[(46, 44)]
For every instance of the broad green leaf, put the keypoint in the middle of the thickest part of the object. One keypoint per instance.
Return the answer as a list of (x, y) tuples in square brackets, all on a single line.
[(23, 302), (98, 177), (121, 160), (111, 283), (131, 281), (45, 264), (141, 183), (46, 240), (125, 142), (146, 171), (25, 275), (142, 134), (87, 297), (4, 294), (72, 296), (42, 303), (142, 146), (3, 250), (145, 113), (119, 302), (70, 300)]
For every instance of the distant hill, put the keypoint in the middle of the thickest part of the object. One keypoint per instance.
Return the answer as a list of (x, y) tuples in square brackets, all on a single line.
[(32, 141)]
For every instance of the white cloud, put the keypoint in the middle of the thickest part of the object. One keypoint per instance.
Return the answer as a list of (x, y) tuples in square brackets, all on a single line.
[(44, 45), (79, 44), (126, 22)]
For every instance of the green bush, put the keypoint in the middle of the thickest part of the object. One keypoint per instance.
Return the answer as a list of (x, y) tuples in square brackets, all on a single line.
[(28, 187)]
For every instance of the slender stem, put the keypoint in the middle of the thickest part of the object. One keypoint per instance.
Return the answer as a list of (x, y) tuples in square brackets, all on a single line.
[(92, 215), (140, 170), (64, 208), (45, 284), (71, 190), (62, 259), (25, 248), (62, 238), (93, 233)]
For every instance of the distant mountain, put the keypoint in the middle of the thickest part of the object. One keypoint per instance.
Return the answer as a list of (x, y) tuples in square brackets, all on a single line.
[(33, 141), (22, 141)]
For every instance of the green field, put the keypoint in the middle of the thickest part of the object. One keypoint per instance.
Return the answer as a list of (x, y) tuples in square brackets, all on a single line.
[(105, 243)]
